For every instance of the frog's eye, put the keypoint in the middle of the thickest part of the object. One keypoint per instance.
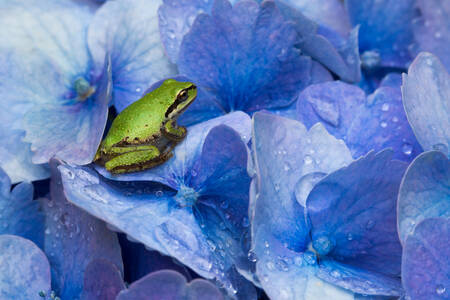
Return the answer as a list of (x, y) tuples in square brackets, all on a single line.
[(182, 96)]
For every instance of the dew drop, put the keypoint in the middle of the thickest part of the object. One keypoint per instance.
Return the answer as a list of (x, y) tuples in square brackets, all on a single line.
[(440, 147), (407, 148), (159, 193), (350, 237), (270, 265), (224, 204), (383, 124), (395, 119), (245, 222), (440, 289), (438, 35), (138, 90), (266, 244), (252, 256), (385, 107), (307, 160)]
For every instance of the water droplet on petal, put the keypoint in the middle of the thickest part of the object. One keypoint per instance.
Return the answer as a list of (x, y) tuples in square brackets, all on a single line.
[(350, 237), (407, 149), (252, 256), (385, 107), (383, 124), (440, 289), (138, 90), (307, 160)]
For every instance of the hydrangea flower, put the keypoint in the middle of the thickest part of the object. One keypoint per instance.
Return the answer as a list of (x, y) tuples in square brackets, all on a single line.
[(58, 61), (348, 237), (243, 54), (374, 122), (195, 209)]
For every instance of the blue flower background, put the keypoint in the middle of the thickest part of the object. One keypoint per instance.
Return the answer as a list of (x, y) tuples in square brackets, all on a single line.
[(316, 163)]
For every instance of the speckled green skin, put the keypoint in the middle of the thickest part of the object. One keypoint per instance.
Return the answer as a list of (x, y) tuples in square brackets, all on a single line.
[(144, 134)]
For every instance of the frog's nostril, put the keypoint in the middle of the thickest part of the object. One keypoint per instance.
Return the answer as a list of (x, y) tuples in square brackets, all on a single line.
[(83, 89)]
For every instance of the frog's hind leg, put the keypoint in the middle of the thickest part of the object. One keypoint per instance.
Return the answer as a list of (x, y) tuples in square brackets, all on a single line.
[(137, 160), (173, 132)]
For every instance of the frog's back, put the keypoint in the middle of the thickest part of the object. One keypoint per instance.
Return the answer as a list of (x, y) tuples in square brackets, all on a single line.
[(139, 121)]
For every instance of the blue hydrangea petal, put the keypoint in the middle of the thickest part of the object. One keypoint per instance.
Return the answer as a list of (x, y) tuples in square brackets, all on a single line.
[(19, 214), (432, 29), (241, 53), (385, 27), (170, 285), (128, 32), (383, 124), (72, 239), (102, 280), (174, 171), (206, 106), (69, 132), (329, 13), (175, 21), (334, 104), (148, 216), (426, 260), (289, 158), (15, 157), (340, 55), (285, 274), (426, 90), (358, 280), (424, 192), (24, 269), (354, 208)]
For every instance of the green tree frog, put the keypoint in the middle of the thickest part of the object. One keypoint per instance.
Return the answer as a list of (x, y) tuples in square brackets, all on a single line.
[(144, 134)]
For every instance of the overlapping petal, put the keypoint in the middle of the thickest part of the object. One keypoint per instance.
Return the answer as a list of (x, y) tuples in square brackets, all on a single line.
[(426, 90), (244, 54), (385, 28), (24, 269), (19, 214), (424, 192), (128, 32), (426, 263), (373, 123), (102, 281)]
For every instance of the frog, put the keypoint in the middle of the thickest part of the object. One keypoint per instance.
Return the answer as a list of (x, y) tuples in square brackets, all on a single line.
[(146, 132)]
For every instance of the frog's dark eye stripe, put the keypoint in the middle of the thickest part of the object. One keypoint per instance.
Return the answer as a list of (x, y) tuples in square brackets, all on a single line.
[(181, 97)]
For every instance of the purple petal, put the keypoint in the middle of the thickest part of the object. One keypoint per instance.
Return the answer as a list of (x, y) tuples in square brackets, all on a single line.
[(24, 269), (432, 29), (19, 214), (186, 153), (72, 239), (353, 219), (426, 90), (424, 192), (127, 30), (426, 260), (385, 28), (102, 281)]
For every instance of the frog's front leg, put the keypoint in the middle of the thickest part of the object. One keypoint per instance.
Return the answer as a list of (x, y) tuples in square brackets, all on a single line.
[(173, 132), (135, 158)]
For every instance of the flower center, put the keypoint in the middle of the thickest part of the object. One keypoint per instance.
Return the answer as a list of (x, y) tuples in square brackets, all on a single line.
[(186, 196), (83, 88), (323, 244), (370, 59)]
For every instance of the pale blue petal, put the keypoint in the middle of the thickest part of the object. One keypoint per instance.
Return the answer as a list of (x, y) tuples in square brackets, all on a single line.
[(288, 158), (426, 94), (424, 192), (385, 28), (72, 239), (426, 260), (170, 285), (102, 281), (353, 210), (24, 269), (432, 29), (149, 216), (329, 13), (19, 214), (186, 153), (127, 30)]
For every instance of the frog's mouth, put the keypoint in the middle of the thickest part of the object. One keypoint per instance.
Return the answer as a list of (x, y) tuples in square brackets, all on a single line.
[(173, 111)]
